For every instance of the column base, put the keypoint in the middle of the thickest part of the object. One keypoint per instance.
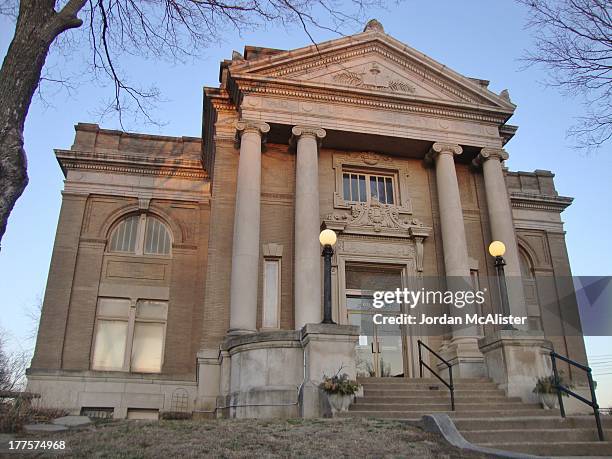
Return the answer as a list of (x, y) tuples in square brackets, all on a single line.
[(515, 359), (463, 354)]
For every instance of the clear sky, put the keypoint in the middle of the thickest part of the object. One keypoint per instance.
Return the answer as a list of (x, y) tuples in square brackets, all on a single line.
[(482, 39)]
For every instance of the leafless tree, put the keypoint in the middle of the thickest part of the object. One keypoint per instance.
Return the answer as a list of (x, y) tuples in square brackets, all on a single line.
[(573, 39), (150, 28), (12, 368)]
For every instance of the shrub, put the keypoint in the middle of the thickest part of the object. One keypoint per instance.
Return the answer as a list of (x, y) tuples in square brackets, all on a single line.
[(548, 385), (339, 384), (17, 413)]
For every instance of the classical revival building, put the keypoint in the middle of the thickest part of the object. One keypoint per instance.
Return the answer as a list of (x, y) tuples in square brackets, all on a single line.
[(187, 273)]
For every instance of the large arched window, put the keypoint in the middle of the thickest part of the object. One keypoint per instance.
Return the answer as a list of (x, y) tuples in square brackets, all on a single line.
[(140, 235)]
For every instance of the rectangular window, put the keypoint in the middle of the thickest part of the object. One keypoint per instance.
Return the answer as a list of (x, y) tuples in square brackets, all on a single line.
[(147, 347), (129, 337), (271, 293), (109, 346), (355, 190)]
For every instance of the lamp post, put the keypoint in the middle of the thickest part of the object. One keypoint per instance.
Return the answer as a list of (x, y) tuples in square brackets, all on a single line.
[(497, 250), (327, 238)]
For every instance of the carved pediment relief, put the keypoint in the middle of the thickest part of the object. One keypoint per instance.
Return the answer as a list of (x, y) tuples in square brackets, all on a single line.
[(373, 76)]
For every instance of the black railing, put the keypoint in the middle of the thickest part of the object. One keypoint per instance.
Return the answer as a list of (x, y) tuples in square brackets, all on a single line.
[(422, 364), (562, 389)]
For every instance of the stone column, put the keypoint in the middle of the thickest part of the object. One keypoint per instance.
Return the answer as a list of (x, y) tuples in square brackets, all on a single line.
[(462, 350), (245, 250), (307, 271), (502, 225)]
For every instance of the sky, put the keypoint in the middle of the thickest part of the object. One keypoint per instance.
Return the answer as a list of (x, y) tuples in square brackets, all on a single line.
[(481, 39)]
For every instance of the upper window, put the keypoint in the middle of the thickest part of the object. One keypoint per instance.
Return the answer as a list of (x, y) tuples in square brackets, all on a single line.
[(141, 234), (361, 187)]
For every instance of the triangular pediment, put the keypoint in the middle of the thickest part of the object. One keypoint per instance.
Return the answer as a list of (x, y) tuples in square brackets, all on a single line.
[(376, 63)]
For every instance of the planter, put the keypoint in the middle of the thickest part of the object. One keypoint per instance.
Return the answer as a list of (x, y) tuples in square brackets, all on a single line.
[(339, 403), (549, 401)]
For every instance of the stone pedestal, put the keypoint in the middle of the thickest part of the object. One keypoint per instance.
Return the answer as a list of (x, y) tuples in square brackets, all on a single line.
[(328, 349), (261, 374), (209, 374), (515, 359)]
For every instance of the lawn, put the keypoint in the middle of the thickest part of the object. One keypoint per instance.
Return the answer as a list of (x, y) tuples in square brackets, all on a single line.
[(249, 439)]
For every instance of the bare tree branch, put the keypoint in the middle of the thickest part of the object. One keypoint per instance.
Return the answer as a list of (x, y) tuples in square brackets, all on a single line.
[(162, 29), (573, 40)]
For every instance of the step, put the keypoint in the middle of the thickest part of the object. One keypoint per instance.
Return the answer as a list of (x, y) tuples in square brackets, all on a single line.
[(412, 392), (533, 435), (422, 381), (413, 383), (435, 398), (545, 421), (587, 448), (444, 406), (418, 414)]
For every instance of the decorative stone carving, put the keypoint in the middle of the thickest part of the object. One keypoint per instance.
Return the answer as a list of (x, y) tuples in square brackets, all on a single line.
[(374, 25), (372, 159), (376, 218), (372, 79), (490, 153)]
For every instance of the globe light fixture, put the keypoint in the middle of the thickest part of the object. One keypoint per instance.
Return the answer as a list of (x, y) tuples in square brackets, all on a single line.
[(328, 239), (497, 249)]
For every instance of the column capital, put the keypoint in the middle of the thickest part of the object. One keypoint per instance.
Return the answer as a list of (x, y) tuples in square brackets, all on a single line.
[(259, 127), (490, 153), (441, 148), (301, 131), (316, 132)]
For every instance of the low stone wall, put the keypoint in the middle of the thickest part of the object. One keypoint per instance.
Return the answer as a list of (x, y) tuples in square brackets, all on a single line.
[(75, 390)]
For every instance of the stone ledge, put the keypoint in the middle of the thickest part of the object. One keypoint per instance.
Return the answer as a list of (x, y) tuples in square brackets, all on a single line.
[(329, 329), (231, 342), (512, 338)]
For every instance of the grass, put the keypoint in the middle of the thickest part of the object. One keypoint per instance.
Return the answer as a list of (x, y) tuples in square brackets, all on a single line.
[(295, 438)]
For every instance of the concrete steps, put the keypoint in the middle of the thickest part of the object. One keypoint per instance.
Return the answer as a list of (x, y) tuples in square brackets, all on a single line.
[(484, 416)]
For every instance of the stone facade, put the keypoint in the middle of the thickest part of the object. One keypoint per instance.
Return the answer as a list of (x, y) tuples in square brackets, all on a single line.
[(279, 135)]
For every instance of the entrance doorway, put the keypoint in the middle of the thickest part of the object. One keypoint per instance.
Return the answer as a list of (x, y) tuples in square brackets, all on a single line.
[(382, 351)]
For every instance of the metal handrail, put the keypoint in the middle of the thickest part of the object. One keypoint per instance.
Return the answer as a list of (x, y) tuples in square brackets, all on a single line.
[(560, 388), (422, 364)]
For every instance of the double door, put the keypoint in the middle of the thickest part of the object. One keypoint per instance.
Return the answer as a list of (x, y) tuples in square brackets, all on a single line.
[(382, 350)]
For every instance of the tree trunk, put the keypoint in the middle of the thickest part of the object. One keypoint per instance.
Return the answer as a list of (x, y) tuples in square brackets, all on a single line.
[(38, 24)]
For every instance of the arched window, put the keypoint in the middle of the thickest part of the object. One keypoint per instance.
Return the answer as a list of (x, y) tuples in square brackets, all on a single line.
[(140, 235)]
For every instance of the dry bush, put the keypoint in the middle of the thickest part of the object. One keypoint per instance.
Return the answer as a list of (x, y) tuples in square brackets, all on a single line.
[(16, 413)]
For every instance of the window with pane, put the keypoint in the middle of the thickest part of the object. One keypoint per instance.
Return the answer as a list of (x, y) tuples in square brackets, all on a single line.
[(362, 187), (271, 293), (140, 235), (129, 336)]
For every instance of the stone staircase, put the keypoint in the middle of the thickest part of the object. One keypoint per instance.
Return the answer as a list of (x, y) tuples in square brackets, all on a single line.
[(485, 416)]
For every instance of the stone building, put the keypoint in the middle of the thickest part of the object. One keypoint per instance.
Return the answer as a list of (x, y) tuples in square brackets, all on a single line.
[(186, 273)]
